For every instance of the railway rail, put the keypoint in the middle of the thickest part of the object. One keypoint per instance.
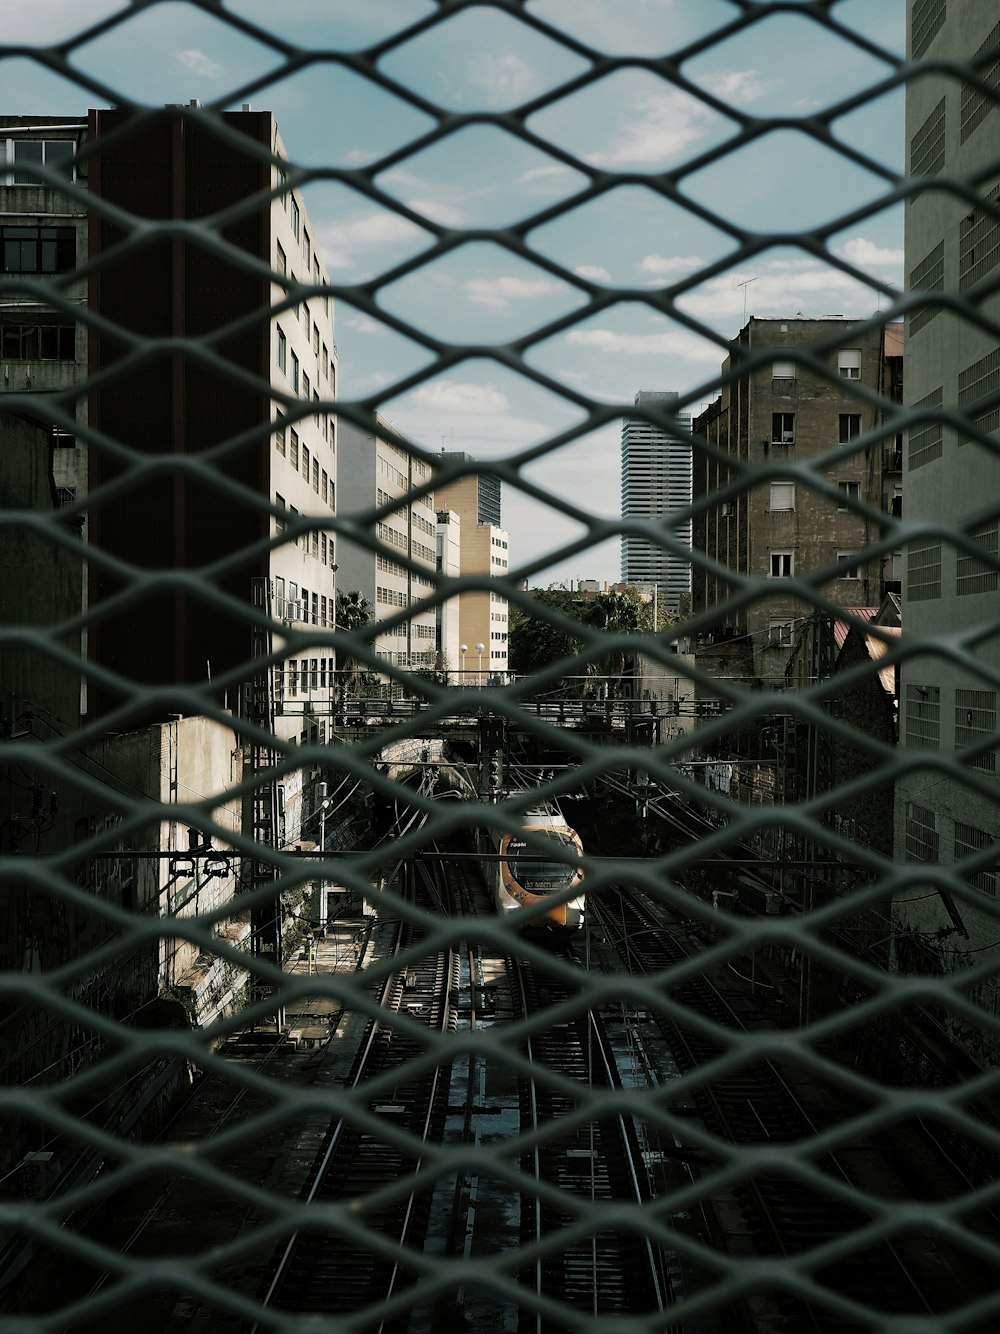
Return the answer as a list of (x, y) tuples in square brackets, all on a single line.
[(916, 1273), (606, 1272), (360, 1263)]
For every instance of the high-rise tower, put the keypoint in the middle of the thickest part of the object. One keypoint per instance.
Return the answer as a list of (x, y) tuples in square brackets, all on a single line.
[(656, 483)]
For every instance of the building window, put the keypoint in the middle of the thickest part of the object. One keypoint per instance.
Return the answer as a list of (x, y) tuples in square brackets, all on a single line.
[(279, 519), (783, 370), (306, 461), (306, 248), (295, 373), (923, 573), (927, 18), (927, 145), (926, 443), (295, 216), (293, 448), (977, 105), (782, 564), (782, 495), (782, 428), (923, 717), (38, 249), (23, 154), (978, 243), (922, 840), (282, 350), (975, 722), (979, 380), (927, 276), (850, 426), (37, 342), (315, 476), (60, 438), (968, 841), (282, 262), (849, 567), (849, 363), (849, 491), (979, 576), (779, 634)]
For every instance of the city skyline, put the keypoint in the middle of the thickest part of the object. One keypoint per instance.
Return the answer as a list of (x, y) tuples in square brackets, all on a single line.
[(634, 127)]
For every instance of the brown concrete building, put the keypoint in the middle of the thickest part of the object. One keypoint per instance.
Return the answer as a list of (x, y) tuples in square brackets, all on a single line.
[(826, 466)]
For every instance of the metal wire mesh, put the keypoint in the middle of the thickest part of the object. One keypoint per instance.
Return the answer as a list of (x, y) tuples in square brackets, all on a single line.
[(93, 932)]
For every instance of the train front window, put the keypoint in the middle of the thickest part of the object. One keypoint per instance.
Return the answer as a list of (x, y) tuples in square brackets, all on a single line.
[(532, 872)]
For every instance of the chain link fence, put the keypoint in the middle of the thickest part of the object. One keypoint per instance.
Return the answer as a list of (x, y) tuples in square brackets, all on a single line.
[(177, 740)]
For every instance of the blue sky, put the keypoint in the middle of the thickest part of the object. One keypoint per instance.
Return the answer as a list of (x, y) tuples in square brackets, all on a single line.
[(629, 121)]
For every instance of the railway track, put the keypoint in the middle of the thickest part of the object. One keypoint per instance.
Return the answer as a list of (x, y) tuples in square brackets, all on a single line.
[(361, 1263), (606, 1272), (917, 1274)]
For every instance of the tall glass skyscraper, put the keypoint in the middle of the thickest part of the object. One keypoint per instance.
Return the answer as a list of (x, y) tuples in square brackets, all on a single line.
[(656, 483)]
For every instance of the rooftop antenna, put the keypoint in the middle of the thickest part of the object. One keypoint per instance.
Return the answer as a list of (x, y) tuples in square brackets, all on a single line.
[(744, 284)]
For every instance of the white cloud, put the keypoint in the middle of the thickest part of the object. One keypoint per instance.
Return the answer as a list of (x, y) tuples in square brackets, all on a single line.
[(362, 324), (507, 78), (594, 273), (795, 286), (437, 210), (664, 343), (738, 86), (553, 170), (480, 418), (499, 292), (666, 122), (660, 266), (866, 255), (341, 243), (461, 398), (201, 64)]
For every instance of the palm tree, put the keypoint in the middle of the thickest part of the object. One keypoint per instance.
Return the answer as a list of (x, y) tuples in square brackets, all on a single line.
[(614, 613), (354, 613)]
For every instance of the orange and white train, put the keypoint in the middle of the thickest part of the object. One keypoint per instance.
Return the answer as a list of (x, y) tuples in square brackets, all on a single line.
[(520, 873)]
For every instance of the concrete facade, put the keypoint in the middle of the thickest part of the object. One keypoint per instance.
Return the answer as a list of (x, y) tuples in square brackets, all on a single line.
[(378, 478), (951, 475), (484, 549), (796, 413)]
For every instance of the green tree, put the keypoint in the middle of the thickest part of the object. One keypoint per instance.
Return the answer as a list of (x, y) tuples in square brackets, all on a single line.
[(615, 613), (533, 641), (354, 614)]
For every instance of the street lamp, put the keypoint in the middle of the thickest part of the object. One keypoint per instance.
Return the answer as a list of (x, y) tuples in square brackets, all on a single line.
[(479, 650), (463, 649)]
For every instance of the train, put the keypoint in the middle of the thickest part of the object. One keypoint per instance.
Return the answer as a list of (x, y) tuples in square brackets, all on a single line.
[(519, 875)]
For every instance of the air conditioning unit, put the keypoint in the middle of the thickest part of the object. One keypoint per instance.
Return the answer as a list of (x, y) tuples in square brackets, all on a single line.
[(727, 510), (292, 612)]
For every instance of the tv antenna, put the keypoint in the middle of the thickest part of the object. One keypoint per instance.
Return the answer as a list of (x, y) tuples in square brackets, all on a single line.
[(744, 284)]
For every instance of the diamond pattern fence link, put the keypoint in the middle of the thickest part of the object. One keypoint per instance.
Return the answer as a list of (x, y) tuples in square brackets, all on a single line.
[(740, 805)]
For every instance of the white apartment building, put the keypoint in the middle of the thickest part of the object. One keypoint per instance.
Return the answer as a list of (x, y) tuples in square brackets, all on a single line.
[(377, 479)]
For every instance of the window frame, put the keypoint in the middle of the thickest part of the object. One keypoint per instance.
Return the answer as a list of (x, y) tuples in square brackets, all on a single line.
[(781, 555), (849, 427), (849, 490), (849, 363)]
